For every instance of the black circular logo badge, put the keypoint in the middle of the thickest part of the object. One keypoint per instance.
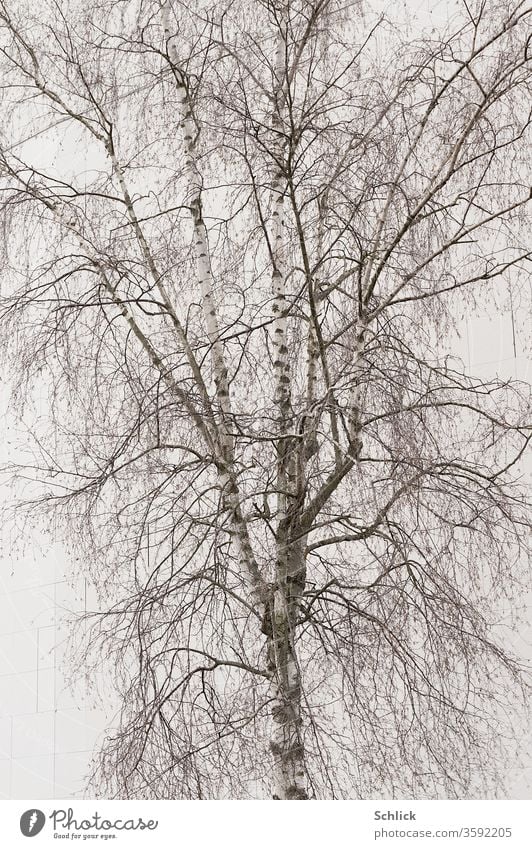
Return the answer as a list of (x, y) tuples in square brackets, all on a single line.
[(32, 822)]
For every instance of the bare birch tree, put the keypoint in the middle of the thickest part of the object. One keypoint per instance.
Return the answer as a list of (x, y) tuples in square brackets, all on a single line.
[(236, 240)]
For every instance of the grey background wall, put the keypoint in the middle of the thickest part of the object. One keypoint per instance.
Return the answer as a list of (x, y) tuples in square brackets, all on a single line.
[(48, 728)]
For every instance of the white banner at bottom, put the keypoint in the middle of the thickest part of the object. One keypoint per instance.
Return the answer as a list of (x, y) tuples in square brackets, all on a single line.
[(263, 824)]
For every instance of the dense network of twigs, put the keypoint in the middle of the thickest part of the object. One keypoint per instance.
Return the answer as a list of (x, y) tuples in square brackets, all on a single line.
[(172, 412)]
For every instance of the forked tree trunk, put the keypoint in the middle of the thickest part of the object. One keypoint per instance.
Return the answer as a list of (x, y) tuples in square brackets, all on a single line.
[(281, 607)]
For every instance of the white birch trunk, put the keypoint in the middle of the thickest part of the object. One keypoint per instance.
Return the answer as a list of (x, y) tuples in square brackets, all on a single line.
[(193, 199), (286, 744)]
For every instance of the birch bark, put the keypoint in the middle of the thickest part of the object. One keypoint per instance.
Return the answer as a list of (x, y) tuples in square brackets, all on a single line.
[(286, 744), (281, 605), (193, 188)]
